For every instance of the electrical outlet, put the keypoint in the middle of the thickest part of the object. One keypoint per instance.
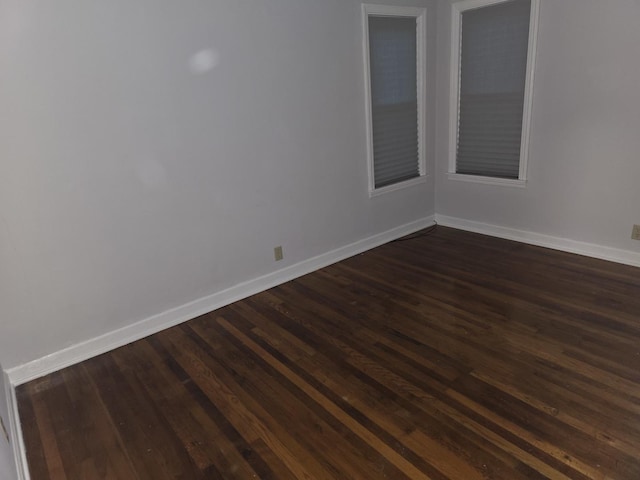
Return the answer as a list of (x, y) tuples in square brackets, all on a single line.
[(635, 234), (277, 253)]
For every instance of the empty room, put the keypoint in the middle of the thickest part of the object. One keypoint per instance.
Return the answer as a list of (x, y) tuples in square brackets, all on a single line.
[(319, 239)]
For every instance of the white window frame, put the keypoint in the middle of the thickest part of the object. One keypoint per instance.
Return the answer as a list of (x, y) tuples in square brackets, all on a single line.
[(420, 14), (454, 109)]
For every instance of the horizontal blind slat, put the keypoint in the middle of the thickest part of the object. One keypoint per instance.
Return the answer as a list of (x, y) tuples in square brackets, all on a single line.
[(395, 143)]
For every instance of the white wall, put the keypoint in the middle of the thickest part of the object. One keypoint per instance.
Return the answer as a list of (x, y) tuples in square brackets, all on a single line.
[(130, 183), (584, 160)]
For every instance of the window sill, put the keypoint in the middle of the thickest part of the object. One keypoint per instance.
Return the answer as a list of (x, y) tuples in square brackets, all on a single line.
[(506, 182), (398, 186)]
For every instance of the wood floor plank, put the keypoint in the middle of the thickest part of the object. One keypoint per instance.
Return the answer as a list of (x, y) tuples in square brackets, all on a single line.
[(234, 456), (248, 416), (392, 418), (401, 463), (261, 379), (443, 356), (430, 394), (151, 446), (48, 464), (106, 455)]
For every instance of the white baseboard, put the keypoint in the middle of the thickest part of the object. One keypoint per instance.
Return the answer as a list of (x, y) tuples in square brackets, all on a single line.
[(109, 341), (557, 243), (15, 432)]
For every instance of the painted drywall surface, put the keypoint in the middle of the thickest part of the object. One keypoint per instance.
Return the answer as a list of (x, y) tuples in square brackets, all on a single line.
[(7, 469), (154, 152), (584, 160)]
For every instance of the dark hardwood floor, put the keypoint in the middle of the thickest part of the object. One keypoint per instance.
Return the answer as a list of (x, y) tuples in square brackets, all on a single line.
[(447, 356)]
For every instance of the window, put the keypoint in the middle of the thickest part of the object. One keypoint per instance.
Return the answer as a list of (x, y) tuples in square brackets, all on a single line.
[(492, 68), (395, 80)]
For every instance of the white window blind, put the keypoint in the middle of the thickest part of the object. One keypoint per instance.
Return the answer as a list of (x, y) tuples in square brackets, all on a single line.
[(394, 99), (493, 70)]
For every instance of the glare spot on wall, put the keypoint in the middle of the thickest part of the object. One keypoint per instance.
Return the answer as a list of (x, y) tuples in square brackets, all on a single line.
[(204, 61)]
